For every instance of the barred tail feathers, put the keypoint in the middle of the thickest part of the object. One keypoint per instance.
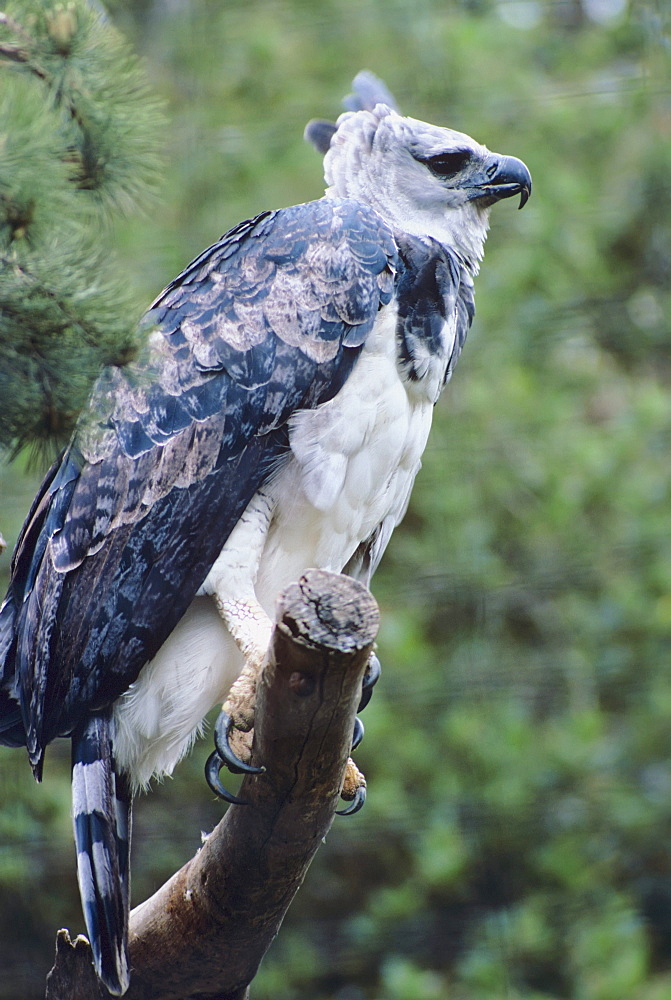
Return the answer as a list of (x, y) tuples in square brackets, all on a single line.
[(101, 806)]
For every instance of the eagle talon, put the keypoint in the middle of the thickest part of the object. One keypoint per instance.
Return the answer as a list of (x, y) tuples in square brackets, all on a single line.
[(370, 679), (213, 766), (353, 789), (222, 732), (357, 803), (358, 733)]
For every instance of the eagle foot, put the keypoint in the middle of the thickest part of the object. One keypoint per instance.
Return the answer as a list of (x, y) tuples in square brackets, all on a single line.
[(353, 790), (226, 728), (234, 728)]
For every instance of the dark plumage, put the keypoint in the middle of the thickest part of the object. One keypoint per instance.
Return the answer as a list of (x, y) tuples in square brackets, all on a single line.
[(432, 285)]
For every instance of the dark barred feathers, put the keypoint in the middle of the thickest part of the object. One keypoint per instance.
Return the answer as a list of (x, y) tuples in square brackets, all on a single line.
[(101, 816), (434, 288)]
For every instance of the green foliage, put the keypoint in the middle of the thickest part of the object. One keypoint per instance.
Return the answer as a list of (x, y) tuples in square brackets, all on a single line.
[(516, 838), (78, 143), (103, 116)]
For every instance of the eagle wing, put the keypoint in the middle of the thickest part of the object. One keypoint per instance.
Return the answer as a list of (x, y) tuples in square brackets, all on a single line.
[(171, 450)]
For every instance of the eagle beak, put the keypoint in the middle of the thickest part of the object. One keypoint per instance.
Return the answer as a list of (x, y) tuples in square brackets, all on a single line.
[(506, 177)]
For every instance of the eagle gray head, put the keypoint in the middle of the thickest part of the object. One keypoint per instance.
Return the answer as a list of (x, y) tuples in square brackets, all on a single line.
[(421, 178)]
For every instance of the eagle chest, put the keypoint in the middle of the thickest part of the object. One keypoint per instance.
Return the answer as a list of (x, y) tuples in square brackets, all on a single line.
[(355, 458), (353, 462)]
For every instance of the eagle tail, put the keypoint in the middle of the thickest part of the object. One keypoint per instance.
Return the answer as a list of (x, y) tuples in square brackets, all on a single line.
[(101, 806)]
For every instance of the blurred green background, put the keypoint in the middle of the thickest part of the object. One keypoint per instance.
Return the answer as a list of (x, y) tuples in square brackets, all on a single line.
[(517, 838)]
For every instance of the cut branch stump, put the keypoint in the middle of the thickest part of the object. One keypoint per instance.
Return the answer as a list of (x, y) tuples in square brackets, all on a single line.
[(203, 934)]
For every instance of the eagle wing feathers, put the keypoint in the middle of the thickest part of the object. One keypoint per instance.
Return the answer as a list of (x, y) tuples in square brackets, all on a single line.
[(171, 449)]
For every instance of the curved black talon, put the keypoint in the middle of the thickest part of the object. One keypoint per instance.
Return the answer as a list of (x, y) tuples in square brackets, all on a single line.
[(213, 766), (358, 733), (357, 803), (222, 732), (370, 679)]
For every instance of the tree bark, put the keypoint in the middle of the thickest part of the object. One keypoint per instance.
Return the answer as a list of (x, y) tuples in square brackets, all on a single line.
[(203, 934)]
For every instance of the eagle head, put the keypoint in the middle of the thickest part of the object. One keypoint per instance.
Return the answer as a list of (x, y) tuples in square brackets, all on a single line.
[(423, 179)]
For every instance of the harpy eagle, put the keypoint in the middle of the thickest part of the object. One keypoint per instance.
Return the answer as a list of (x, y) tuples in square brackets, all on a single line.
[(274, 421)]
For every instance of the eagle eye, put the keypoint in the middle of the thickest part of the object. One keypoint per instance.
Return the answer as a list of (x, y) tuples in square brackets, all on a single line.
[(448, 164)]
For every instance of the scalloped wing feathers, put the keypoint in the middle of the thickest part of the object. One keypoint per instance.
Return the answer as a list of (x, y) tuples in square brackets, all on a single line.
[(170, 451)]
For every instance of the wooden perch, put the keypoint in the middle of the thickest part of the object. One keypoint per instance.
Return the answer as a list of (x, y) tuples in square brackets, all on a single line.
[(203, 934)]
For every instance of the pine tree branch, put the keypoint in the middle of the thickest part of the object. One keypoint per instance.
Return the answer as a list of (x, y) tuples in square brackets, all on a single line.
[(13, 25), (203, 934), (78, 147), (14, 53)]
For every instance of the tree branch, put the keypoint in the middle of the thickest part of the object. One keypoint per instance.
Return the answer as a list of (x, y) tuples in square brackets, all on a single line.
[(203, 934)]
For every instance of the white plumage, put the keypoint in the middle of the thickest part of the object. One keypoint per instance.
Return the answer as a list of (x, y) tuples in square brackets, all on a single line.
[(353, 463)]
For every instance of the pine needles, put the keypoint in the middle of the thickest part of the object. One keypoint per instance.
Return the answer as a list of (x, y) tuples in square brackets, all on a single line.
[(79, 141)]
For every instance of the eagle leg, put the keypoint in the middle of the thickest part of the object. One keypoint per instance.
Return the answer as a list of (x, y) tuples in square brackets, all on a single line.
[(250, 628), (236, 720)]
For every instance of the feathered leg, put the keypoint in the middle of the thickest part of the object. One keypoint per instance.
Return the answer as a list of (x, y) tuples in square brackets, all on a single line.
[(250, 628), (101, 806)]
